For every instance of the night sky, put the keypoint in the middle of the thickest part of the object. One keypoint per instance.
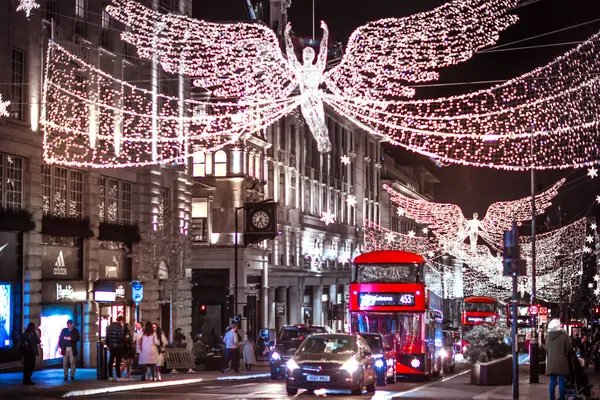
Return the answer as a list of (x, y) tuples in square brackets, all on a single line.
[(470, 187)]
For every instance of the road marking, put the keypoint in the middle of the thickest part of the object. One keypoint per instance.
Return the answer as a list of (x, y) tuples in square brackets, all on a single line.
[(416, 389), (486, 395), (243, 384)]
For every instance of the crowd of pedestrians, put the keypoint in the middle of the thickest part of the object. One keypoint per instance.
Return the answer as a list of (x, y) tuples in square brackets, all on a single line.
[(234, 344)]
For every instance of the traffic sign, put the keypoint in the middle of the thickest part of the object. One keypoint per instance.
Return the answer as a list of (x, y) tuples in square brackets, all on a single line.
[(543, 311), (534, 309), (137, 292)]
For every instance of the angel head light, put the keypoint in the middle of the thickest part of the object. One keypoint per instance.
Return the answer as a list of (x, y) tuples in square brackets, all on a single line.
[(308, 55)]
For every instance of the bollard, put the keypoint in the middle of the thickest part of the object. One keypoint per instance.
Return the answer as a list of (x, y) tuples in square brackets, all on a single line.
[(101, 362)]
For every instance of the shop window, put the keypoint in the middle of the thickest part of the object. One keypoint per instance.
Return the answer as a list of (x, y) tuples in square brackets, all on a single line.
[(220, 163), (11, 181), (62, 191), (115, 201), (200, 219)]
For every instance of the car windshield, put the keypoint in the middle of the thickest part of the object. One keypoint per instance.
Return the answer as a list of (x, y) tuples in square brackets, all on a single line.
[(299, 334), (329, 345), (374, 342)]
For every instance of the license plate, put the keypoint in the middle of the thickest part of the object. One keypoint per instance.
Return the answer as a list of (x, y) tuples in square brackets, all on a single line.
[(317, 378)]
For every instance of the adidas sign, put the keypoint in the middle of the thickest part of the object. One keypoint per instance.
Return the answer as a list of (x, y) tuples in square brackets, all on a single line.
[(59, 266)]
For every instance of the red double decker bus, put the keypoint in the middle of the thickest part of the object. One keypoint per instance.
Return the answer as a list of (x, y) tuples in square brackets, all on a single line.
[(398, 295), (477, 310)]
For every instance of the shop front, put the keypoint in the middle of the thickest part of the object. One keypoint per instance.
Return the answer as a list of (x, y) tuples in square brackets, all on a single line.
[(10, 294), (114, 299), (61, 301)]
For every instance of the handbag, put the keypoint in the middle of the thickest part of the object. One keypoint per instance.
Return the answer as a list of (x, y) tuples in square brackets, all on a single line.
[(160, 349)]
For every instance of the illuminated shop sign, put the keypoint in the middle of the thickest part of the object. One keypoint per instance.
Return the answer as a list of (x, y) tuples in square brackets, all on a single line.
[(108, 292), (64, 292), (386, 299)]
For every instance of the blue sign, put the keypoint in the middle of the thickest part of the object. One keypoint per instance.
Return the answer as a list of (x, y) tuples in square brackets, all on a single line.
[(137, 292)]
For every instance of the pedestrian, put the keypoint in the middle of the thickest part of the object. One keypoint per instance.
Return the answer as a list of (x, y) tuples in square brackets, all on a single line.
[(179, 339), (559, 349), (129, 352), (248, 351), (160, 349), (232, 352), (139, 332), (115, 340), (29, 351), (67, 342), (148, 352)]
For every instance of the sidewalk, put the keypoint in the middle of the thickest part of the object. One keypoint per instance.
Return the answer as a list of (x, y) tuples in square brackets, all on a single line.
[(50, 383)]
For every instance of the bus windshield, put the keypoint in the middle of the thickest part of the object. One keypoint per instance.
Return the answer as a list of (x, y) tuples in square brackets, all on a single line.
[(396, 273), (403, 329), (480, 307)]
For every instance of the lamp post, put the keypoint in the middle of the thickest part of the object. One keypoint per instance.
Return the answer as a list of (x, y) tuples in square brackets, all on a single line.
[(235, 261), (534, 364)]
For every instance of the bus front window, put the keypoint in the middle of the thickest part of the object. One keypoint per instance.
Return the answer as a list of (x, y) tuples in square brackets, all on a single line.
[(403, 329), (410, 334)]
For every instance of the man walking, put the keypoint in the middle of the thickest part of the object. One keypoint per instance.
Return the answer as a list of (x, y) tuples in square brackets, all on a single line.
[(232, 351), (559, 350), (115, 341), (67, 342)]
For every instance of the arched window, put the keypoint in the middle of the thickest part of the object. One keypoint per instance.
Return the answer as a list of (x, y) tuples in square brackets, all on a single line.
[(199, 164), (220, 163)]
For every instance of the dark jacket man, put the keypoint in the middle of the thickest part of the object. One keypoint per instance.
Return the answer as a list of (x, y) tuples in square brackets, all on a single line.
[(63, 344), (115, 337), (559, 349)]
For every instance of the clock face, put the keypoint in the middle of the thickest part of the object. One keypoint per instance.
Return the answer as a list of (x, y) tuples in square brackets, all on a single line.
[(260, 219)]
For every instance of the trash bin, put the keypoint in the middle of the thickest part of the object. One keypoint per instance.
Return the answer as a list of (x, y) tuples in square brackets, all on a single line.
[(214, 362), (101, 362)]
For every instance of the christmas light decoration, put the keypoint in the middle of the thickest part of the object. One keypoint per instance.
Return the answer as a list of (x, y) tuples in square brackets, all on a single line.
[(589, 239), (92, 119), (448, 223), (351, 200), (4, 107), (244, 61), (400, 212), (327, 217), (345, 160), (592, 172), (376, 238), (593, 226), (425, 231), (27, 6), (590, 285)]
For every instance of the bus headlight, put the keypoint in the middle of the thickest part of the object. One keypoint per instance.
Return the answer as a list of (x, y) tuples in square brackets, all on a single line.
[(379, 363), (415, 363), (443, 353)]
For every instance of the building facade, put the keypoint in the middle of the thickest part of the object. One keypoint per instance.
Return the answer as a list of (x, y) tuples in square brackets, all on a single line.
[(69, 237)]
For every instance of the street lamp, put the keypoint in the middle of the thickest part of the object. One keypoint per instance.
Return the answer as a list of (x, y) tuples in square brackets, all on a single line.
[(534, 366), (235, 260)]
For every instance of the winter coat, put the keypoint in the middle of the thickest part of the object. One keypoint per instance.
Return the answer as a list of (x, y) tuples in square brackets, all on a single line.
[(129, 350), (559, 350), (62, 343), (163, 342), (115, 337), (148, 352), (248, 351), (29, 343)]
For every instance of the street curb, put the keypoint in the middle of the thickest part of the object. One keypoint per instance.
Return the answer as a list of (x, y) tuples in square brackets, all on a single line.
[(149, 385)]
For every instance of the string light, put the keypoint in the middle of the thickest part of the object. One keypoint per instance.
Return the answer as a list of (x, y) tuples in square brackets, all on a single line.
[(27, 6), (345, 159), (448, 223), (327, 217), (4, 107), (377, 237), (592, 172), (351, 200), (593, 226)]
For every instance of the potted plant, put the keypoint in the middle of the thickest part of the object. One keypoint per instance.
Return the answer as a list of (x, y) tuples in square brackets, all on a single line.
[(489, 348)]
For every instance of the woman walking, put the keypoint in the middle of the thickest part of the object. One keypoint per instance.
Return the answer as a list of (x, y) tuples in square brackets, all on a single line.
[(559, 350), (148, 354), (29, 351), (162, 343), (248, 351), (129, 352)]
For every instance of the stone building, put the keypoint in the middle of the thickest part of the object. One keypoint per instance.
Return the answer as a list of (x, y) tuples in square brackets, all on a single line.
[(68, 235)]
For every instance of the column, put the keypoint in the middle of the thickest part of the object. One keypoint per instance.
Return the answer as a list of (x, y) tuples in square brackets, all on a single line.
[(271, 305), (317, 304), (281, 296), (295, 302), (265, 301), (332, 301)]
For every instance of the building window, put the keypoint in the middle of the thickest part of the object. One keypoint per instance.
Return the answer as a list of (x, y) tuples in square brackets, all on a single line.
[(236, 162), (199, 165), (115, 201), (106, 40), (18, 85), (80, 9), (200, 219), (11, 181), (80, 14), (164, 206), (62, 191), (220, 163), (293, 187), (258, 167)]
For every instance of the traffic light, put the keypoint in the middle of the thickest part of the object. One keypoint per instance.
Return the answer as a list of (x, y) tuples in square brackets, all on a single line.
[(512, 253), (229, 304), (202, 309), (597, 310)]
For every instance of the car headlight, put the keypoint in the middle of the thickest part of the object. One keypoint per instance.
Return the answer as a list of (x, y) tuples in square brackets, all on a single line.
[(292, 365), (351, 365), (443, 353), (276, 356), (379, 363)]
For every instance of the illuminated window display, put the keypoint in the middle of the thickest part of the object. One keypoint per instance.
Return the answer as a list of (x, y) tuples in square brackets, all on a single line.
[(53, 319), (5, 314)]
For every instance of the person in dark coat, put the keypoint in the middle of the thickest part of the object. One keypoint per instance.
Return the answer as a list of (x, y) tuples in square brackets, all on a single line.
[(115, 340), (67, 342), (29, 351), (559, 349)]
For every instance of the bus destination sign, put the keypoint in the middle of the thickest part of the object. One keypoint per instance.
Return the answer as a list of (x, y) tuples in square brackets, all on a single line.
[(367, 299)]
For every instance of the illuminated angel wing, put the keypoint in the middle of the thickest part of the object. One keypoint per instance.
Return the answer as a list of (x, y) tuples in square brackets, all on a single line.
[(238, 60), (382, 56), (500, 215), (444, 220)]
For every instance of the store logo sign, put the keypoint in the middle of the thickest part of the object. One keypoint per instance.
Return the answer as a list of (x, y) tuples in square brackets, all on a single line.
[(64, 293), (59, 266), (120, 291)]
